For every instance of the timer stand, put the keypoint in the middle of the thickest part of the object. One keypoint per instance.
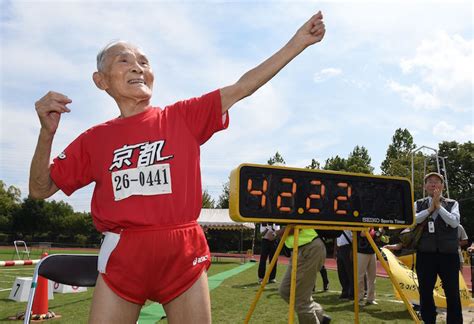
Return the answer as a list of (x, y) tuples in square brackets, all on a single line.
[(320, 199), (295, 228)]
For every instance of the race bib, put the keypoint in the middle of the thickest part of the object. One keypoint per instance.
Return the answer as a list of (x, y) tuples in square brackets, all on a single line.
[(146, 181)]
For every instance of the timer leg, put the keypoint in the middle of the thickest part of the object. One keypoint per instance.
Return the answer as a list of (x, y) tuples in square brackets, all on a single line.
[(355, 275), (394, 283), (288, 229), (294, 261)]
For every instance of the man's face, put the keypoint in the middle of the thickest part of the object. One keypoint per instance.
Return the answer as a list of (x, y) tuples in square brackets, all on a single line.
[(433, 183), (127, 73)]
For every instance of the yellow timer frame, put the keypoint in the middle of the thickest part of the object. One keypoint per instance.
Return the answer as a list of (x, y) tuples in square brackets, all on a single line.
[(280, 194)]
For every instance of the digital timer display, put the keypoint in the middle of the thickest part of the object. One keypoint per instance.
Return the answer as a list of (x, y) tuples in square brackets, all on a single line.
[(263, 193)]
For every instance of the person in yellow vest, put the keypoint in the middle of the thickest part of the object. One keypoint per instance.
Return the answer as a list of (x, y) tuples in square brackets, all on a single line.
[(311, 257)]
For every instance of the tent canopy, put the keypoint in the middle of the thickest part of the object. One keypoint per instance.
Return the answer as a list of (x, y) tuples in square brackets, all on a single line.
[(220, 219)]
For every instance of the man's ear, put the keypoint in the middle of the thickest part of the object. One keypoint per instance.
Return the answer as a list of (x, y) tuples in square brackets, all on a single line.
[(99, 80)]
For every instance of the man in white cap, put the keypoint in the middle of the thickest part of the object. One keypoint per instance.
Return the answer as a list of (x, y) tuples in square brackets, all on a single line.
[(437, 250)]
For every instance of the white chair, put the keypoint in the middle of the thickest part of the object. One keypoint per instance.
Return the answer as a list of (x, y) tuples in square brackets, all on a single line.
[(25, 250), (69, 269)]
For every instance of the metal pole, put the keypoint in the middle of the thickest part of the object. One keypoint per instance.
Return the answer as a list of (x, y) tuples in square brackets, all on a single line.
[(413, 166), (424, 173), (445, 176), (437, 162)]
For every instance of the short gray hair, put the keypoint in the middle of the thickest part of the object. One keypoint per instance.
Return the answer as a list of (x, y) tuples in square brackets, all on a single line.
[(103, 53)]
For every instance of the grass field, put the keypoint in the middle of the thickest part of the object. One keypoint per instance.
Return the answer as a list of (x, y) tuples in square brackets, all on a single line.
[(35, 253), (230, 301)]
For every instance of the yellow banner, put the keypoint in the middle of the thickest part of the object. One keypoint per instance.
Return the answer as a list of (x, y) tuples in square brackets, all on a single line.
[(408, 281)]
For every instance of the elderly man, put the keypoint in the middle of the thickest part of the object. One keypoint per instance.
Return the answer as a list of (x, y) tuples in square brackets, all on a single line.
[(437, 250), (145, 165)]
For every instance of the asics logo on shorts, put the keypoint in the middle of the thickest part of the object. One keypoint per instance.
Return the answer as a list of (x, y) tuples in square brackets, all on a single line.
[(200, 260)]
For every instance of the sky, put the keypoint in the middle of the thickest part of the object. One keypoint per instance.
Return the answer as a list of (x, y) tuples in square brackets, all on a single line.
[(382, 65)]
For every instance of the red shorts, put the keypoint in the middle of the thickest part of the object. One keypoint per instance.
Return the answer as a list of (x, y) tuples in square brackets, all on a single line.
[(158, 264)]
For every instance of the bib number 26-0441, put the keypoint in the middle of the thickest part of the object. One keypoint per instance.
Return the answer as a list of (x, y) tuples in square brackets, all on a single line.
[(146, 181)]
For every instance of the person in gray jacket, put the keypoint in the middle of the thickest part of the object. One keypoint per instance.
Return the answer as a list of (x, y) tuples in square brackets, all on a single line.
[(437, 250)]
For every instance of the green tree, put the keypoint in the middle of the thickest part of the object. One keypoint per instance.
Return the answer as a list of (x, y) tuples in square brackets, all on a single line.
[(93, 236), (398, 160), (207, 201), (29, 219), (336, 164), (10, 199), (55, 214), (75, 224), (276, 159), (400, 150), (223, 201), (459, 159), (315, 165), (359, 161)]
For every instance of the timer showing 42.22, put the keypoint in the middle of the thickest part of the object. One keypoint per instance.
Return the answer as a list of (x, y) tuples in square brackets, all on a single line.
[(263, 193)]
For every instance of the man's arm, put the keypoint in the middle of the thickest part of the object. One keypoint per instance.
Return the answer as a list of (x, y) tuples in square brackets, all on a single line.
[(308, 34), (49, 110), (462, 235), (451, 218), (41, 185), (423, 214)]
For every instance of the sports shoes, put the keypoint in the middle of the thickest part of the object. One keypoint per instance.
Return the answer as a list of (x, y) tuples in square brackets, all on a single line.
[(260, 281), (326, 319), (371, 302), (272, 281), (326, 288)]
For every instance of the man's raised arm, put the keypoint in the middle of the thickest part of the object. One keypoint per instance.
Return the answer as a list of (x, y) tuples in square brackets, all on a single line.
[(49, 110), (310, 33)]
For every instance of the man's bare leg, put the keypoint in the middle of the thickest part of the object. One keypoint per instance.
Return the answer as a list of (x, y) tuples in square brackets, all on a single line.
[(107, 307), (192, 306)]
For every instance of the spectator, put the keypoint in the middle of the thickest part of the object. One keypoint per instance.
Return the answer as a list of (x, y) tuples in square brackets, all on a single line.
[(268, 248), (310, 259), (463, 240), (367, 267), (345, 268), (437, 250), (324, 276)]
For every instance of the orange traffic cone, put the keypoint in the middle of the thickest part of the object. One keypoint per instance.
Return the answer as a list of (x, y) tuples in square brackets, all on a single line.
[(40, 303)]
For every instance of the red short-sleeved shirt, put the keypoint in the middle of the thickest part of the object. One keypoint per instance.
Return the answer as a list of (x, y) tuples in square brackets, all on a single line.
[(146, 167)]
